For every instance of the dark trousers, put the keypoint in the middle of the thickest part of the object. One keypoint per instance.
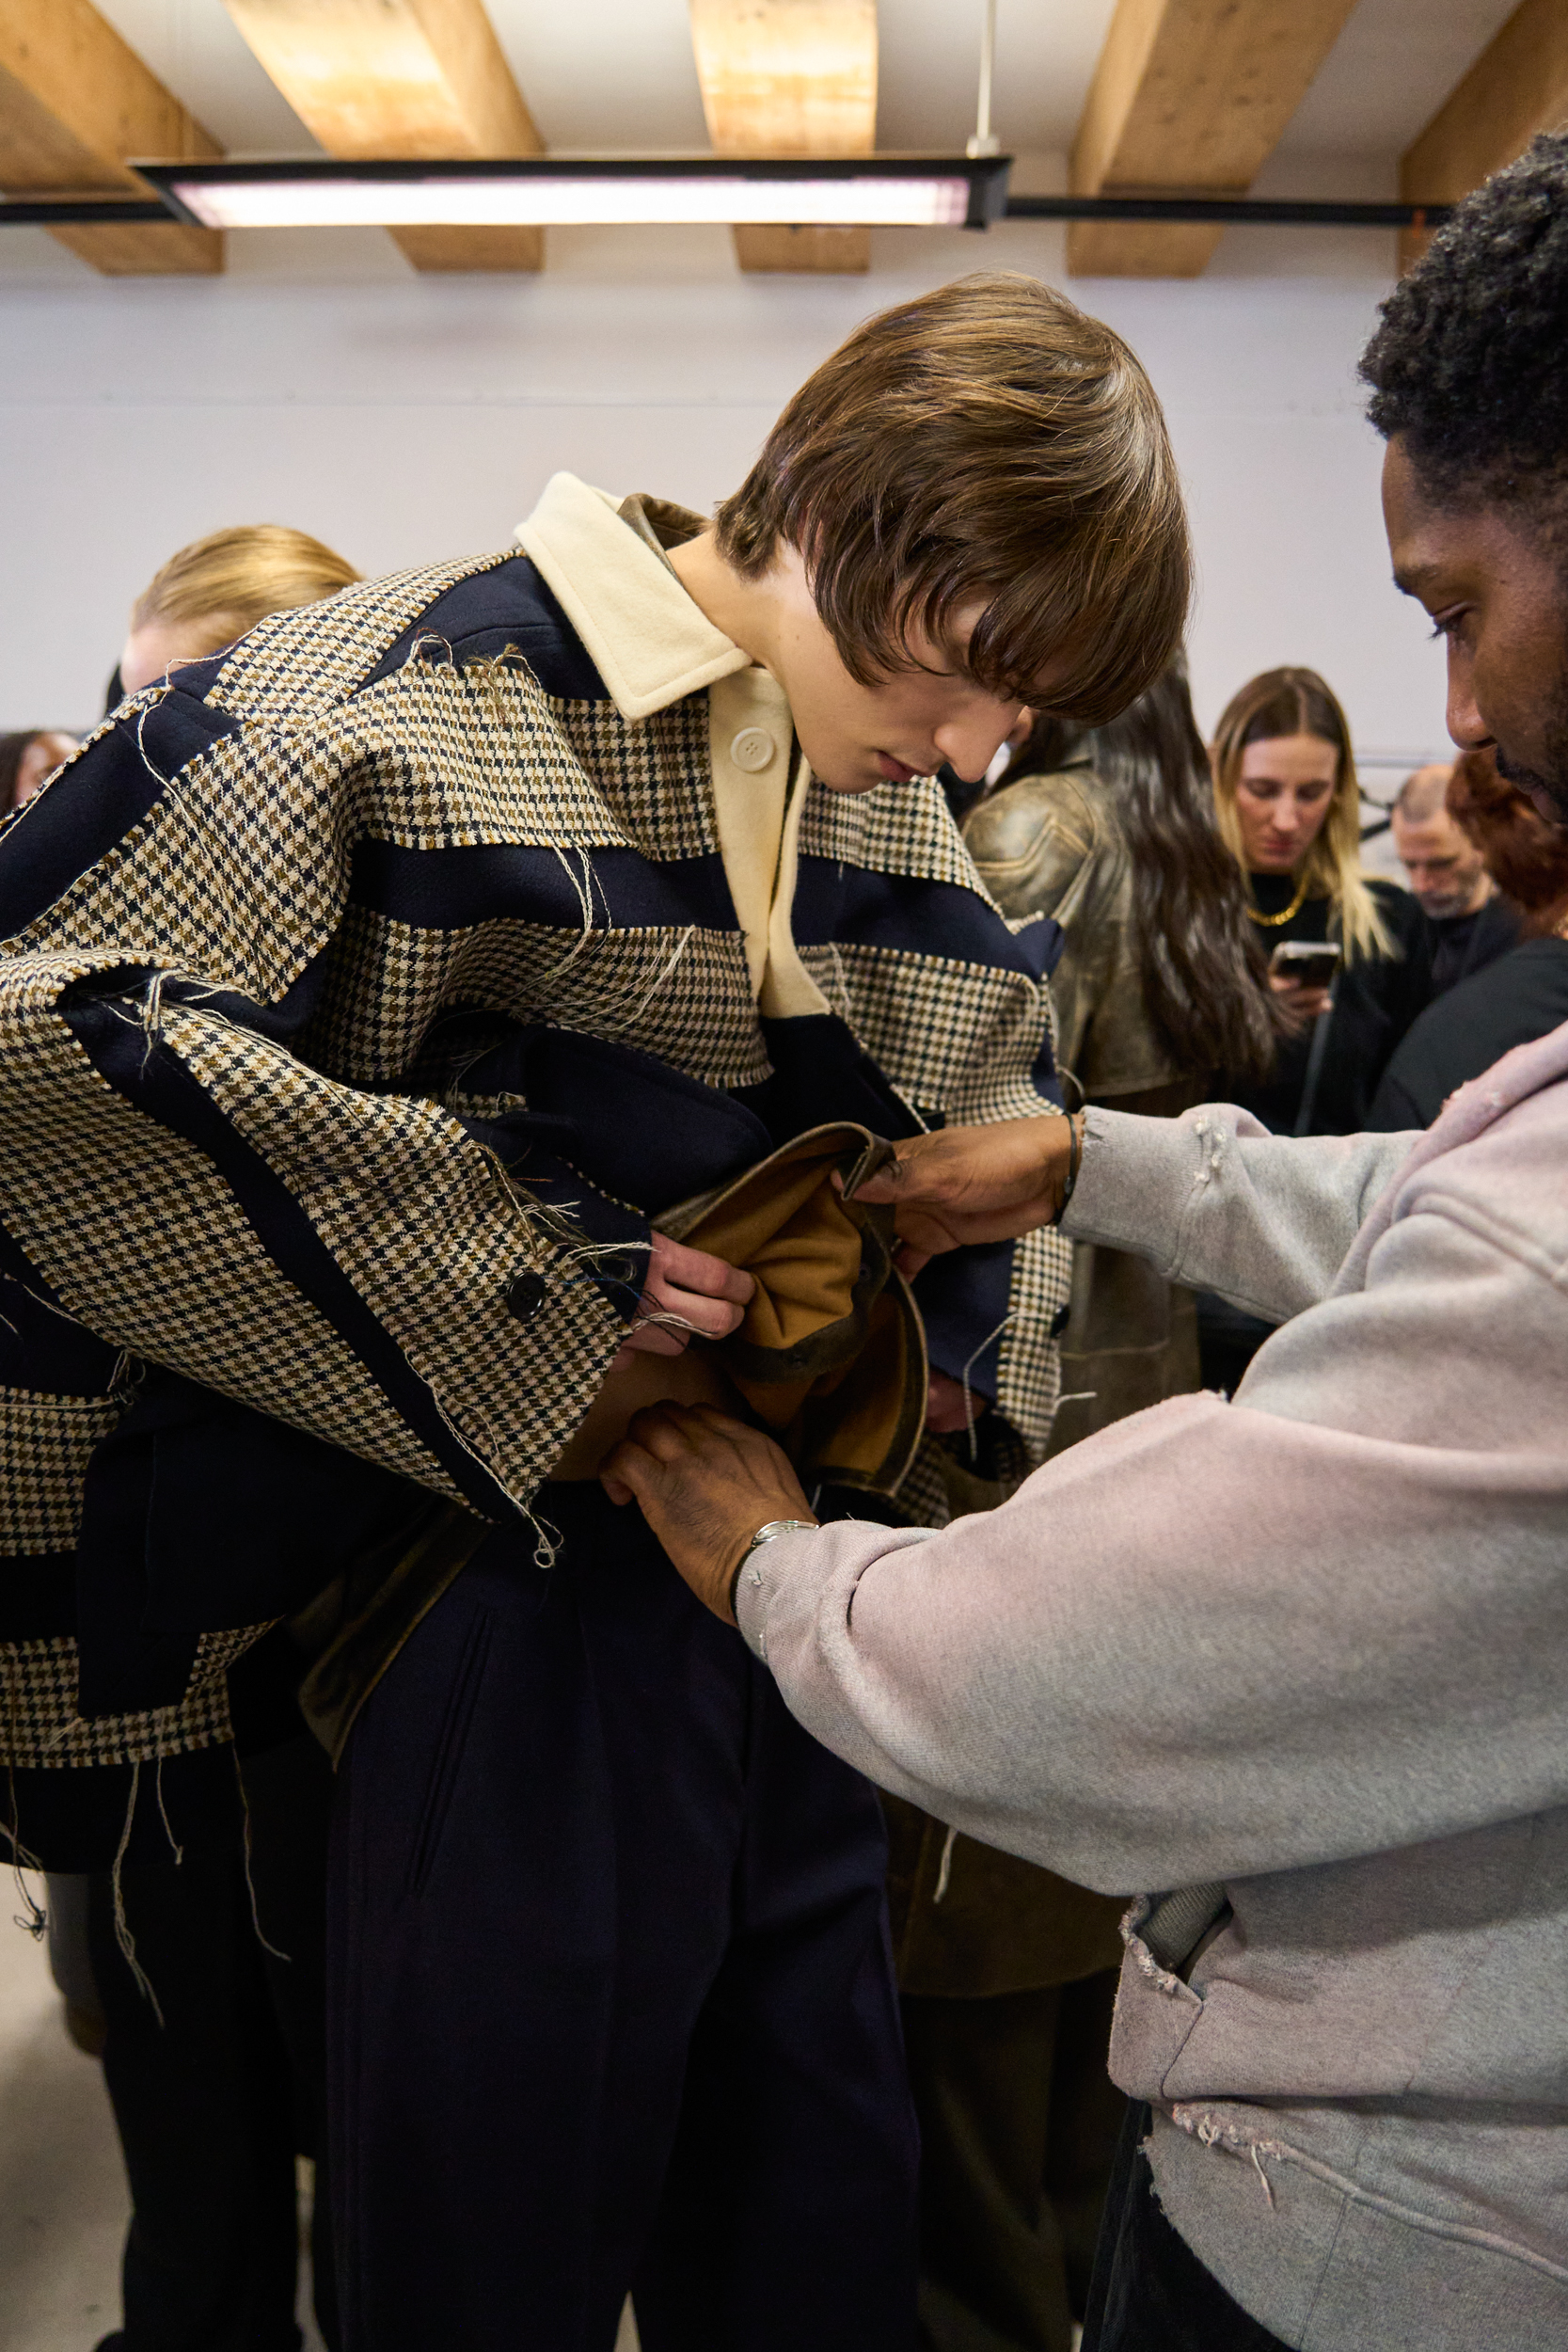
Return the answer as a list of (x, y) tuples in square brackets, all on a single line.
[(612, 2002), (1018, 2124), (1150, 2293), (215, 2089)]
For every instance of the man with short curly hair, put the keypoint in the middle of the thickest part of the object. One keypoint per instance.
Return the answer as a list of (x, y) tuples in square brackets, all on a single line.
[(1470, 392), (1298, 1660)]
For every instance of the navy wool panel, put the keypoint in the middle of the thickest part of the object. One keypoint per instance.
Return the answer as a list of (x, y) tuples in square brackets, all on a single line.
[(373, 962)]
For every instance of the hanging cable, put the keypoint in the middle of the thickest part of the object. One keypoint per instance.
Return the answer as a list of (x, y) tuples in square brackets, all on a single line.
[(985, 141)]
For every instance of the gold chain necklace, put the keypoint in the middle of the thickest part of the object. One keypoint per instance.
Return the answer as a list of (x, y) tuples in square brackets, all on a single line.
[(1273, 922)]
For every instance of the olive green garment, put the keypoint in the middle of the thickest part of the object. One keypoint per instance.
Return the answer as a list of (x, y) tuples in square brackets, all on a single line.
[(1054, 845)]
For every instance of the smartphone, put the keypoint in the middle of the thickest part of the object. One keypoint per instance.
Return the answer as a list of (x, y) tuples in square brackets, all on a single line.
[(1310, 962)]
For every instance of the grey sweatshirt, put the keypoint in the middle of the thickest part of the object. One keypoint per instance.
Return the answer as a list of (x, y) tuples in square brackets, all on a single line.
[(1312, 1643)]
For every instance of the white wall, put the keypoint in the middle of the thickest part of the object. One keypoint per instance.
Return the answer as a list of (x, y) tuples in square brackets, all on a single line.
[(321, 382)]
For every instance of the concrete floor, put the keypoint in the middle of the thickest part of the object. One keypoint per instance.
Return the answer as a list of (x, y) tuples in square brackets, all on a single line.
[(63, 2204), (63, 2201)]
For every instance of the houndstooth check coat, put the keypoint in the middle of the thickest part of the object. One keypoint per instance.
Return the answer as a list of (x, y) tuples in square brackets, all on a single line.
[(278, 950)]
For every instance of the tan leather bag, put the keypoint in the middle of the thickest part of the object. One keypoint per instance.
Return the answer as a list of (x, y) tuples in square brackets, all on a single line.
[(831, 1356)]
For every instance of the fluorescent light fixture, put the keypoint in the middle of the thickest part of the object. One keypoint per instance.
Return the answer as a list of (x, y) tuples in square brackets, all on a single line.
[(904, 192), (561, 203)]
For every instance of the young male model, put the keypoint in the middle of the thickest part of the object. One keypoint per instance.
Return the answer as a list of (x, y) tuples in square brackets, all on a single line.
[(370, 991), (1302, 1658)]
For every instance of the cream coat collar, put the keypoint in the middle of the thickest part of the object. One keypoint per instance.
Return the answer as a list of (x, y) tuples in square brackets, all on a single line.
[(650, 643)]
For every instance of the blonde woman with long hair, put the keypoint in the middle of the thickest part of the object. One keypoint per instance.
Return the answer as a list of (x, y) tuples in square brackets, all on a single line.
[(1288, 807)]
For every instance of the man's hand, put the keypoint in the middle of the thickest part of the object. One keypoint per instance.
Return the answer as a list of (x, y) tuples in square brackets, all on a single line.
[(705, 1294), (973, 1183), (706, 1482)]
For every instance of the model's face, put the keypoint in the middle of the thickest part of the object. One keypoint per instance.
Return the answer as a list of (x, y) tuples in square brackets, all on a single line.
[(1445, 870), (1283, 796), (1498, 599), (152, 649), (858, 736)]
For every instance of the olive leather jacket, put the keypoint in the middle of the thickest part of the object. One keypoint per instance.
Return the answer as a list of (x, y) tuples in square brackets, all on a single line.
[(969, 1921)]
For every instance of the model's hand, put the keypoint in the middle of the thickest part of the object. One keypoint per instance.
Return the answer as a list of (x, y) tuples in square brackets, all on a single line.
[(945, 1402), (706, 1483), (703, 1295), (973, 1183)]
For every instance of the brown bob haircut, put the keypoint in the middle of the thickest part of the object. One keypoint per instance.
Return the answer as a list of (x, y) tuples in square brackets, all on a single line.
[(987, 445), (1526, 857)]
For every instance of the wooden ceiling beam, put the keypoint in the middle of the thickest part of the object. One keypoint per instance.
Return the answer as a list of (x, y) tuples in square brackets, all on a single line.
[(1190, 97), (788, 78), (425, 79), (1517, 87), (75, 101)]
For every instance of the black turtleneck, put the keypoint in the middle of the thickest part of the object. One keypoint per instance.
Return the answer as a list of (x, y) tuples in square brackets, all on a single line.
[(1375, 1000)]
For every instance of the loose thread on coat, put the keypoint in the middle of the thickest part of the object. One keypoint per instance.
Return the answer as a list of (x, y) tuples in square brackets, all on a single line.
[(969, 1408), (945, 1868), (262, 1937), (629, 1020), (176, 1847), (1258, 2168), (123, 1936), (546, 1540), (155, 697), (33, 1919), (152, 1018), (488, 673)]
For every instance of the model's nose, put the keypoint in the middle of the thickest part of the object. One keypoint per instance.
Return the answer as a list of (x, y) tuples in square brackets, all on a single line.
[(969, 745)]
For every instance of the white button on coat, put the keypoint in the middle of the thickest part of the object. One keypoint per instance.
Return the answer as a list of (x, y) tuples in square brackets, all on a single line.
[(752, 750)]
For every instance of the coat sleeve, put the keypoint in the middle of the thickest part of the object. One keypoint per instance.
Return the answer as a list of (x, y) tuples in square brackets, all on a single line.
[(196, 1191)]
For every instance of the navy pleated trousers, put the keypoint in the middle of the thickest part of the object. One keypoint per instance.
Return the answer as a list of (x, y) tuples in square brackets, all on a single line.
[(612, 2001)]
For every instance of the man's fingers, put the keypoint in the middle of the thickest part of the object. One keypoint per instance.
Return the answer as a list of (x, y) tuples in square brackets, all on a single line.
[(638, 1462), (710, 1318), (651, 1338), (909, 1172), (695, 1288), (714, 1416), (682, 1268)]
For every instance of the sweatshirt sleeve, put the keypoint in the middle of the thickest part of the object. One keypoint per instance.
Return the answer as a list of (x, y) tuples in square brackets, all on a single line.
[(1213, 1200), (1219, 1639)]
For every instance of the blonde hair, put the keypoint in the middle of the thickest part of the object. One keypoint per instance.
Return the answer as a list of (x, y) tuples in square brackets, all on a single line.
[(238, 576), (1297, 702)]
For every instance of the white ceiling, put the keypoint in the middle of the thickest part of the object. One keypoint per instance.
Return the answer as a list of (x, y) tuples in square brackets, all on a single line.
[(618, 73)]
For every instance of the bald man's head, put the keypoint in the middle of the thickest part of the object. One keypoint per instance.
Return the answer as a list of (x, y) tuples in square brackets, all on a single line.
[(1444, 866), (1423, 794)]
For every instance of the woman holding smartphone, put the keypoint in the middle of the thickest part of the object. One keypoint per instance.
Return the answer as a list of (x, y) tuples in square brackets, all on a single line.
[(1349, 953)]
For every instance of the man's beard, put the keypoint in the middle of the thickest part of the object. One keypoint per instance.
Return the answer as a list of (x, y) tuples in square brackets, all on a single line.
[(1547, 789)]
